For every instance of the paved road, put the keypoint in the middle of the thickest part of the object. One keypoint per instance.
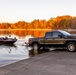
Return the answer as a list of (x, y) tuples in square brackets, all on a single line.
[(50, 63)]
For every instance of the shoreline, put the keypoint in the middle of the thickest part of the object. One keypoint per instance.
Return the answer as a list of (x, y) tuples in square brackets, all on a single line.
[(49, 63)]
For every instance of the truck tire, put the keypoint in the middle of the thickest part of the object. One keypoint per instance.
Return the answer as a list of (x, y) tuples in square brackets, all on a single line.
[(71, 46), (35, 46)]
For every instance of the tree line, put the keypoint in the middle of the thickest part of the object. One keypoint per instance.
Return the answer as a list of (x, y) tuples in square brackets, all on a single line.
[(60, 22)]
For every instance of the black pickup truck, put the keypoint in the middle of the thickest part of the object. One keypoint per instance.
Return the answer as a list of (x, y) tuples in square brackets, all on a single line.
[(54, 39)]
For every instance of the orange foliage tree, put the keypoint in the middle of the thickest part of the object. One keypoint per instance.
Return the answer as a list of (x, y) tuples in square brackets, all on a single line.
[(60, 22)]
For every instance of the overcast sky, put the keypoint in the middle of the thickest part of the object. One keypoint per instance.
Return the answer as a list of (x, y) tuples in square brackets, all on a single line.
[(28, 10)]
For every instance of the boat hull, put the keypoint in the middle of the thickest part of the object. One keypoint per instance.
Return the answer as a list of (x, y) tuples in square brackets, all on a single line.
[(7, 40)]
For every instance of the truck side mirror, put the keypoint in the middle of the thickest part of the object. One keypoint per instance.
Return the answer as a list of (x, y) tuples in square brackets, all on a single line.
[(60, 36)]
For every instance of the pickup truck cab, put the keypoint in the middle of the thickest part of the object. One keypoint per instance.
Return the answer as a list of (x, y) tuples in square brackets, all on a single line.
[(54, 39)]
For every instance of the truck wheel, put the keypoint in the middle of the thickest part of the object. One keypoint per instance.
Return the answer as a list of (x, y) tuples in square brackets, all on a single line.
[(71, 46), (35, 46)]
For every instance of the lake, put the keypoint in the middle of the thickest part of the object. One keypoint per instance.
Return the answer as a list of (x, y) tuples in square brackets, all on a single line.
[(13, 53)]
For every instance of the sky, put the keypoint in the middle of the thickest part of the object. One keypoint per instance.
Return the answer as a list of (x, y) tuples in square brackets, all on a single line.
[(27, 10)]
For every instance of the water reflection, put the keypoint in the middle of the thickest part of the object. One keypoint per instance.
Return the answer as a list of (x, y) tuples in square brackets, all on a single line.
[(24, 32), (16, 52), (9, 47), (36, 52), (13, 53)]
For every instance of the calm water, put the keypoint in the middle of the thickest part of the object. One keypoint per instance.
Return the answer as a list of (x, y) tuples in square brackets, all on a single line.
[(13, 53), (18, 51)]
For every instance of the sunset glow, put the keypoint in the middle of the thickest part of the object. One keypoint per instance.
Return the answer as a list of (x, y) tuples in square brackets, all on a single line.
[(28, 10)]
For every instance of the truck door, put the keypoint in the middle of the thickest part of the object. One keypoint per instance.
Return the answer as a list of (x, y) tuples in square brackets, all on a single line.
[(58, 39), (48, 39)]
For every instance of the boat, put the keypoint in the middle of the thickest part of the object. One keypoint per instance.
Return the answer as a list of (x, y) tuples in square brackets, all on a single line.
[(7, 40)]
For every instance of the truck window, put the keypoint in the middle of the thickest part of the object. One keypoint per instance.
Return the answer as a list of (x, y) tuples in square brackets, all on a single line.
[(56, 34), (48, 35)]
